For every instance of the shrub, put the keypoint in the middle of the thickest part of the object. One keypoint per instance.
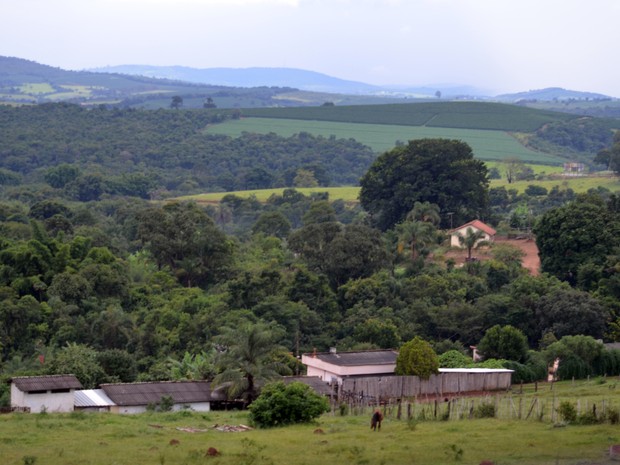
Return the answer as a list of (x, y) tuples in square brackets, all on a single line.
[(280, 404), (567, 412), (417, 358), (454, 359), (485, 410)]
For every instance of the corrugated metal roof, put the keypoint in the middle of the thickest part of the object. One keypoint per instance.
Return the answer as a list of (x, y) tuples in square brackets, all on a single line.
[(150, 393), (369, 357), (475, 370), (316, 383), (46, 383), (92, 398)]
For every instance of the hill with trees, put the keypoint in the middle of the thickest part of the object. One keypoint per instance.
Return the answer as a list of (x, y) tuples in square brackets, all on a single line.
[(100, 276)]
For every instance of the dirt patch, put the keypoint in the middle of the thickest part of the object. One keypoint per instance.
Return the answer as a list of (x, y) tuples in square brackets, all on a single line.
[(531, 260)]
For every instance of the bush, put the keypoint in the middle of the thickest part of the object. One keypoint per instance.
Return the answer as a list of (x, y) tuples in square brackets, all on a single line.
[(417, 358), (280, 404), (567, 412), (454, 359), (485, 410)]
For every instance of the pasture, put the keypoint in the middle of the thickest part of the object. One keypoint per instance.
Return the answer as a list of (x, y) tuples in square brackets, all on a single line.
[(350, 194), (486, 144), (184, 438)]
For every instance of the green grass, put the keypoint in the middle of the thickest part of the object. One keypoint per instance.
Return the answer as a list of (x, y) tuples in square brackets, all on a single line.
[(100, 438), (350, 193), (36, 88), (487, 145)]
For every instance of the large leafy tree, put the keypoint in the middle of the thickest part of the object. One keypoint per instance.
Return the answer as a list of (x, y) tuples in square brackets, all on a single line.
[(439, 171), (185, 238), (583, 231)]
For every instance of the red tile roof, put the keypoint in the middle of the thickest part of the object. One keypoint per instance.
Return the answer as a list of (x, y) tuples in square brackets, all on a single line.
[(478, 225)]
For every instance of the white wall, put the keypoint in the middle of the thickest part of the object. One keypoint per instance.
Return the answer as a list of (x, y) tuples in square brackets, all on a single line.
[(130, 409), (48, 401)]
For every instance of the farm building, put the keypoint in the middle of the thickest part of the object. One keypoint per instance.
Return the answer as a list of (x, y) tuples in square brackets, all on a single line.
[(333, 367), (370, 375), (475, 225), (317, 384), (138, 397), (53, 393), (92, 400), (449, 382)]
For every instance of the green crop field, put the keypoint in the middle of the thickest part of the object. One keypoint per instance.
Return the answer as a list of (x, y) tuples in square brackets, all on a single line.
[(184, 438), (466, 115), (487, 145)]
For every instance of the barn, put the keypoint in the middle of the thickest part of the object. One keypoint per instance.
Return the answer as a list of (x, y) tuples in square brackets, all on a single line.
[(36, 394), (140, 397)]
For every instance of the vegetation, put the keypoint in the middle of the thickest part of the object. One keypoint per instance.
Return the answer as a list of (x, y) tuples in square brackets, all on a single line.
[(417, 358), (58, 439), (280, 405), (438, 171)]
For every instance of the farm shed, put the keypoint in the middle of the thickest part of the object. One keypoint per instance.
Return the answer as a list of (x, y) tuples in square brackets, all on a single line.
[(92, 400), (475, 225), (52, 393), (333, 367), (138, 397), (317, 384), (449, 381)]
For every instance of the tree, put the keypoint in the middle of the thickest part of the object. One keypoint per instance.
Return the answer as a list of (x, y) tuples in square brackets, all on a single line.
[(415, 236), (272, 223), (417, 358), (471, 240), (439, 171), (176, 102), (185, 238), (574, 234), (513, 166), (247, 360), (283, 404), (81, 361), (504, 342)]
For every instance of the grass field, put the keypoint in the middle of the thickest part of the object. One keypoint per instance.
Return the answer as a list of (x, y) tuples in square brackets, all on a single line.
[(487, 145), (153, 438), (350, 193)]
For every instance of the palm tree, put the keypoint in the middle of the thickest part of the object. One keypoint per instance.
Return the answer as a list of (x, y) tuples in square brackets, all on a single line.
[(425, 211), (417, 236), (248, 360), (472, 240)]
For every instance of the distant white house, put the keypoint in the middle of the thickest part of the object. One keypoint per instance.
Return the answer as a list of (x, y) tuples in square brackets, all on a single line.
[(53, 393), (475, 225)]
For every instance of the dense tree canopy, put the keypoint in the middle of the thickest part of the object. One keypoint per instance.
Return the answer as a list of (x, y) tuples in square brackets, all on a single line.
[(440, 171)]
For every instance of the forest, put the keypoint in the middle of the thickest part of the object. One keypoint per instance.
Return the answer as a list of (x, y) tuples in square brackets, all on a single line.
[(101, 276)]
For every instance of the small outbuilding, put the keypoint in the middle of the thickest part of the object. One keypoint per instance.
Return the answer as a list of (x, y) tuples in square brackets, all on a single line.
[(92, 400), (475, 225), (333, 367), (52, 393), (139, 397)]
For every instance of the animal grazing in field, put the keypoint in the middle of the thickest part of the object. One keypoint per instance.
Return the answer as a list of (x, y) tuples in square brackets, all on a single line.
[(375, 421)]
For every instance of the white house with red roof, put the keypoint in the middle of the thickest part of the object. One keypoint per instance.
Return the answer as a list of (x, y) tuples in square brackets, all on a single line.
[(475, 225)]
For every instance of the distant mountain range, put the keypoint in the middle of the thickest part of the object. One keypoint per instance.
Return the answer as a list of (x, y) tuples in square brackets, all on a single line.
[(24, 81), (318, 82)]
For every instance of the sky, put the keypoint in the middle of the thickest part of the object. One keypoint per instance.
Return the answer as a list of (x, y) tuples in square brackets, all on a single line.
[(499, 46)]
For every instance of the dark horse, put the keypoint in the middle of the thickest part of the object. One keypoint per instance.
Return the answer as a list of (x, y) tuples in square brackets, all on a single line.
[(375, 421)]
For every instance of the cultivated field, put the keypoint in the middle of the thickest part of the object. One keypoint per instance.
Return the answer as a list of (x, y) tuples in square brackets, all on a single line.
[(486, 144), (184, 438)]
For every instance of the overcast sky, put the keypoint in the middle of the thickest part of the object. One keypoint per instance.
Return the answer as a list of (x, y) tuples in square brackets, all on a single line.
[(496, 45)]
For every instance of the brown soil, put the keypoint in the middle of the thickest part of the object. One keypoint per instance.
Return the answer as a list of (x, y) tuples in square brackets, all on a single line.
[(530, 261)]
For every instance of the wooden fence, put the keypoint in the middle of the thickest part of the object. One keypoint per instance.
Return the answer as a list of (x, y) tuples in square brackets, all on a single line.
[(379, 389)]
